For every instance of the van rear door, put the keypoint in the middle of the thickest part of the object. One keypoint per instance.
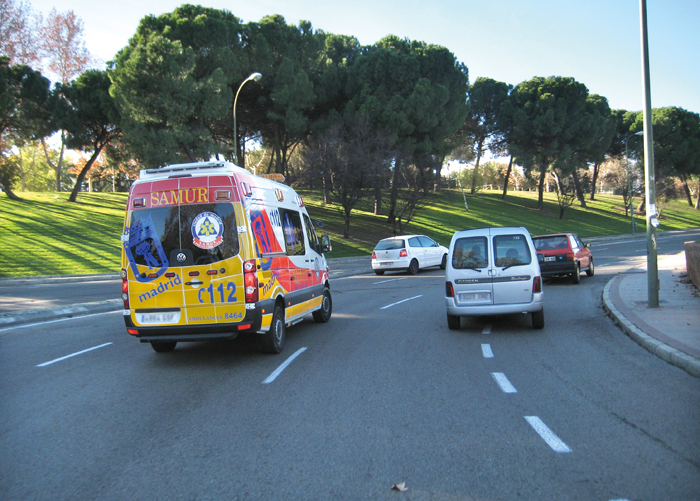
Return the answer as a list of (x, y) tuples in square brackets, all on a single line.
[(511, 271), (471, 261)]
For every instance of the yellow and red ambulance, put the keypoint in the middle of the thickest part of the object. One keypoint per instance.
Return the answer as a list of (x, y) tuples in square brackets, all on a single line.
[(211, 251)]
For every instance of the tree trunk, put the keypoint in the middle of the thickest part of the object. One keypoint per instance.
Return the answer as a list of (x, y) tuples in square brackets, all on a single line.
[(595, 180), (687, 191), (579, 191), (76, 189), (697, 198), (540, 187), (476, 166), (10, 194), (505, 182), (346, 229), (56, 167), (377, 200), (394, 191)]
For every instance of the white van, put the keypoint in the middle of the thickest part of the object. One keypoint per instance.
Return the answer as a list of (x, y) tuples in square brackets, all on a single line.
[(210, 251), (493, 271)]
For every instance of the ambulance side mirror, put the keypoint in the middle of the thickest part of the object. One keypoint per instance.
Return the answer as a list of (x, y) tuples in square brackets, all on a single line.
[(326, 244)]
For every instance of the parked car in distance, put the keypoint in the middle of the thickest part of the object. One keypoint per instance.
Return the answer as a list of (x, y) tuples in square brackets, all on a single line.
[(564, 254), (493, 271), (408, 253)]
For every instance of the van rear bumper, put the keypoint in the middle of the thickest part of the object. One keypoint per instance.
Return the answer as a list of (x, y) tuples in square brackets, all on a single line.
[(535, 305), (201, 332)]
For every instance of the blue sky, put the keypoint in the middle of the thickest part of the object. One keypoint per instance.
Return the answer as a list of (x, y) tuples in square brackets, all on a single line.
[(597, 42)]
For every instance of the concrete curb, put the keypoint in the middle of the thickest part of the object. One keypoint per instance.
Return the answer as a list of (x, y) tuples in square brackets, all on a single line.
[(46, 314), (671, 355)]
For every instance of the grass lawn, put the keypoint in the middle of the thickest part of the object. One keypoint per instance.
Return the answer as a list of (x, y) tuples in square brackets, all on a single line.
[(47, 235)]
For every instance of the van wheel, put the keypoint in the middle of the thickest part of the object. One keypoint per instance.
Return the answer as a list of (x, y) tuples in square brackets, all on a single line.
[(379, 272), (538, 319), (324, 314), (576, 275), (413, 267), (163, 346), (443, 265), (453, 322), (273, 339), (591, 270)]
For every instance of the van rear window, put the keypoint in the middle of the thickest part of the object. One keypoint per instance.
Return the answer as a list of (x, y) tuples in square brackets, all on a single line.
[(470, 253), (511, 250), (183, 235)]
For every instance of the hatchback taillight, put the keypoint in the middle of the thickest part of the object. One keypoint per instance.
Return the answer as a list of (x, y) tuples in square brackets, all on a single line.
[(125, 289), (403, 253), (569, 257), (449, 290), (250, 281), (374, 255)]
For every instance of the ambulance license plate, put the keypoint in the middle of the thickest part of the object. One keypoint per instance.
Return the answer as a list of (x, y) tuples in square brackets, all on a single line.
[(171, 317)]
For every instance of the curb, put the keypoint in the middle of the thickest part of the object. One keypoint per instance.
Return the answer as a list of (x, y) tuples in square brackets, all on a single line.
[(43, 314), (671, 355)]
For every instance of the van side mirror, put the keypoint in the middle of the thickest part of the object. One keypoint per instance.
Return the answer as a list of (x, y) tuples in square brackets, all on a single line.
[(326, 244)]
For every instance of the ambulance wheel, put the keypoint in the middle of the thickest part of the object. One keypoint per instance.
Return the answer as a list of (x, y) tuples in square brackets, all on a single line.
[(273, 339), (453, 322), (413, 267), (163, 346), (324, 314), (379, 272)]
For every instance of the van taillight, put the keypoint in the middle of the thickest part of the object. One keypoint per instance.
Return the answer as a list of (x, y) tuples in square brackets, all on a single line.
[(449, 290), (403, 253), (250, 281), (537, 284), (125, 289)]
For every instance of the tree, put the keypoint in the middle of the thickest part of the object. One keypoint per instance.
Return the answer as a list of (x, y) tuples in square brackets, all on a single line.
[(18, 32), (552, 124), (482, 127), (24, 115), (91, 119), (676, 145)]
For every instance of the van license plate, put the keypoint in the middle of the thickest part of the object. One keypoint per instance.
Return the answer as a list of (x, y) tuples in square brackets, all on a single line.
[(475, 296), (171, 317)]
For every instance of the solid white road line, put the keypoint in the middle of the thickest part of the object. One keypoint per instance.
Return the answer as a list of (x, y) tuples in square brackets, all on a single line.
[(399, 302), (503, 382), (72, 355), (487, 329), (486, 350), (279, 369), (547, 435)]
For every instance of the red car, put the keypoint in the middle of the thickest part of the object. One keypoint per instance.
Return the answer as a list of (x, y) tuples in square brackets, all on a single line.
[(564, 254)]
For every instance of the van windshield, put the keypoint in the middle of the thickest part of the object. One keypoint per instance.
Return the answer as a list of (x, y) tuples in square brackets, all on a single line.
[(183, 235)]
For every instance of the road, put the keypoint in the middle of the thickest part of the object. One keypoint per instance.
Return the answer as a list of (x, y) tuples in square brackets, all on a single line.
[(383, 394)]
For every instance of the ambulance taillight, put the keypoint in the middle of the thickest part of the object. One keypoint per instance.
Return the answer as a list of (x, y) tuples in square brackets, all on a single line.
[(250, 281), (125, 289)]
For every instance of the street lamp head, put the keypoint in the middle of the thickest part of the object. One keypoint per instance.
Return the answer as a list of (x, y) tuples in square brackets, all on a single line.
[(254, 76)]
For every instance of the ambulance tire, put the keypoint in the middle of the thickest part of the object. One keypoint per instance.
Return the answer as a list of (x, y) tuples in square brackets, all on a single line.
[(324, 314), (273, 339), (163, 346)]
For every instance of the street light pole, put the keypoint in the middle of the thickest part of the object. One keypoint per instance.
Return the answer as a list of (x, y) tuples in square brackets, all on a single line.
[(253, 76), (650, 191), (629, 180)]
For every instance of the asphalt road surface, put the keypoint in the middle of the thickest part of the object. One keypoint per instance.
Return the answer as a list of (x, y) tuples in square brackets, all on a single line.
[(383, 394)]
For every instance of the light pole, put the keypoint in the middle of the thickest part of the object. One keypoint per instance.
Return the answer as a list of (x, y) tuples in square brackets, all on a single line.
[(253, 76), (629, 179)]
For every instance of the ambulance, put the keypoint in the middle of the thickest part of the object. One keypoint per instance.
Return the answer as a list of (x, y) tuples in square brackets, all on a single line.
[(210, 251)]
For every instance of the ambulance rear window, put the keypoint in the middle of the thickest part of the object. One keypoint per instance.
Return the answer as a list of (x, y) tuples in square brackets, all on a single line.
[(183, 235)]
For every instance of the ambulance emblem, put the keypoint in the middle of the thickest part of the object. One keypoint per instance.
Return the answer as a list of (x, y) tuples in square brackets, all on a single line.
[(207, 230)]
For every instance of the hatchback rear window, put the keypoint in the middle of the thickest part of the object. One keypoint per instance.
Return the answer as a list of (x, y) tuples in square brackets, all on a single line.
[(396, 243), (546, 243)]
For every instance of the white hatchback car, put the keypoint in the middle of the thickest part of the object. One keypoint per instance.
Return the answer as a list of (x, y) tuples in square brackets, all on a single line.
[(408, 252)]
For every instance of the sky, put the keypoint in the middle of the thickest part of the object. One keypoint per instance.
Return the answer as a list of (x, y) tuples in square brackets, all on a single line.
[(597, 42)]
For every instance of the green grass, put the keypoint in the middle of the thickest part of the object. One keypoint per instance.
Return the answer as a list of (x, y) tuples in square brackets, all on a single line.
[(47, 235)]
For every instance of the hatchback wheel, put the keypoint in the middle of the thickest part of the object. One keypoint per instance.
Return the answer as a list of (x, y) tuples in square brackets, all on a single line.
[(379, 272), (576, 275), (413, 267), (443, 265), (591, 270)]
